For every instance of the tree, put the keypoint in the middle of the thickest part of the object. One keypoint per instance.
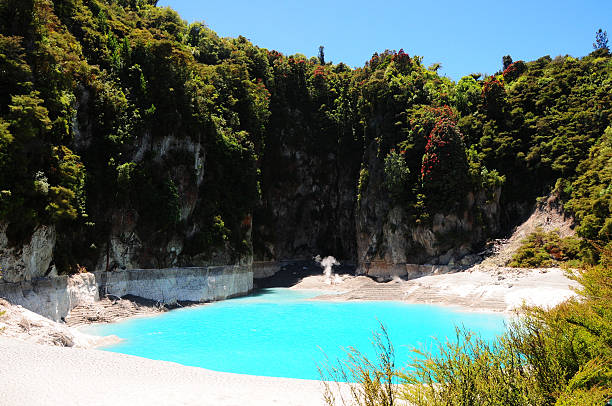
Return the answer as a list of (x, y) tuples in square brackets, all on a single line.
[(507, 61), (322, 54), (467, 94), (444, 168), (493, 94), (601, 40), (397, 176)]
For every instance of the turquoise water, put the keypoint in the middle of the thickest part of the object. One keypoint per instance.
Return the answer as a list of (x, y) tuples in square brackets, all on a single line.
[(277, 332)]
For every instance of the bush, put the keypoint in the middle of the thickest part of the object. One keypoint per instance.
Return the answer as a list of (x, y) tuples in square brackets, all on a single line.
[(370, 382), (471, 371), (541, 250), (397, 176), (493, 94), (362, 184)]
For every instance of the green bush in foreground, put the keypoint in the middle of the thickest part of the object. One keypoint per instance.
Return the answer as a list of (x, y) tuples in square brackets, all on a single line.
[(357, 380), (561, 357)]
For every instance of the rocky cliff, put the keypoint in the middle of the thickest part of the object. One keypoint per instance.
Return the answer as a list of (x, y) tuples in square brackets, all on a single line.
[(31, 260), (313, 201), (55, 297), (308, 192), (130, 139), (389, 235)]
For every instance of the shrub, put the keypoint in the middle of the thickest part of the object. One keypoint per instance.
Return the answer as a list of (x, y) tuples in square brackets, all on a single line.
[(513, 71), (362, 185), (471, 371), (61, 206), (397, 176), (467, 94), (541, 249), (493, 94), (370, 382)]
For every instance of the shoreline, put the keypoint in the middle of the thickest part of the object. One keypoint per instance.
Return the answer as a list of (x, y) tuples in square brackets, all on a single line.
[(477, 289), (76, 376), (67, 366)]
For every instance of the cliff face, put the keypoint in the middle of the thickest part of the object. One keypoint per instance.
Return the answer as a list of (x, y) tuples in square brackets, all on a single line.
[(309, 210), (133, 243), (449, 238), (130, 139), (31, 260), (310, 204), (129, 234), (122, 233), (314, 202), (387, 235), (309, 172)]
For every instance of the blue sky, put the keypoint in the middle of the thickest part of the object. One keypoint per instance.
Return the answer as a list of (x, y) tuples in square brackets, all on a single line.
[(464, 36)]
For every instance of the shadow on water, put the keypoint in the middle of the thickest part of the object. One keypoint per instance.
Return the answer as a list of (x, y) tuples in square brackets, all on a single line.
[(257, 292), (292, 273)]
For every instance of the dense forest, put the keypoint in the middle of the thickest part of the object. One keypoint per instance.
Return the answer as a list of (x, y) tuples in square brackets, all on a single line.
[(146, 141)]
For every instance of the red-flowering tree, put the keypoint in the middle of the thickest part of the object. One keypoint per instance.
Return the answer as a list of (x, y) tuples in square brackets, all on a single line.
[(444, 168), (402, 61), (493, 93), (513, 71)]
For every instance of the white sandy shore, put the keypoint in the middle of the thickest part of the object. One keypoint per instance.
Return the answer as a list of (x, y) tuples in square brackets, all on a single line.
[(34, 374), (476, 289)]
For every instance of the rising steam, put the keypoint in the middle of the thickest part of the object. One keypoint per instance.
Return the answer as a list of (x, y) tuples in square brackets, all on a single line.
[(327, 264)]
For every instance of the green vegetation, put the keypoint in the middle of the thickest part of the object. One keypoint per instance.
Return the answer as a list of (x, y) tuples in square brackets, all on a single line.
[(396, 176), (118, 115), (589, 198), (542, 250), (561, 357), (370, 382), (85, 83)]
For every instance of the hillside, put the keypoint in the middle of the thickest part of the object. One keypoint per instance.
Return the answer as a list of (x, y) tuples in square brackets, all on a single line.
[(131, 139)]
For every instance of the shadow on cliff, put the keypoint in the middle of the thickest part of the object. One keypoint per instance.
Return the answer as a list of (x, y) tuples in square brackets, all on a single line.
[(291, 274)]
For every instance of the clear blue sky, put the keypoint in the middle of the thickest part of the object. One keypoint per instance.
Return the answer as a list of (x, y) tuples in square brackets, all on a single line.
[(464, 36)]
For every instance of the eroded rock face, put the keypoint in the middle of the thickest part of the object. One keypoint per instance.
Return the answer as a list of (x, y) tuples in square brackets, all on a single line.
[(128, 242), (447, 240), (55, 297), (308, 197), (134, 241), (52, 297), (126, 238), (32, 260), (388, 238)]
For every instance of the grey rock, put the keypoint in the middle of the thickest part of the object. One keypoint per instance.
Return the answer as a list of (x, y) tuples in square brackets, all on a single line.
[(30, 261)]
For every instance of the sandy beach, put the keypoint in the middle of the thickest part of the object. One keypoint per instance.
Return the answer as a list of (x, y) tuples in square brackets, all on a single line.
[(34, 374)]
